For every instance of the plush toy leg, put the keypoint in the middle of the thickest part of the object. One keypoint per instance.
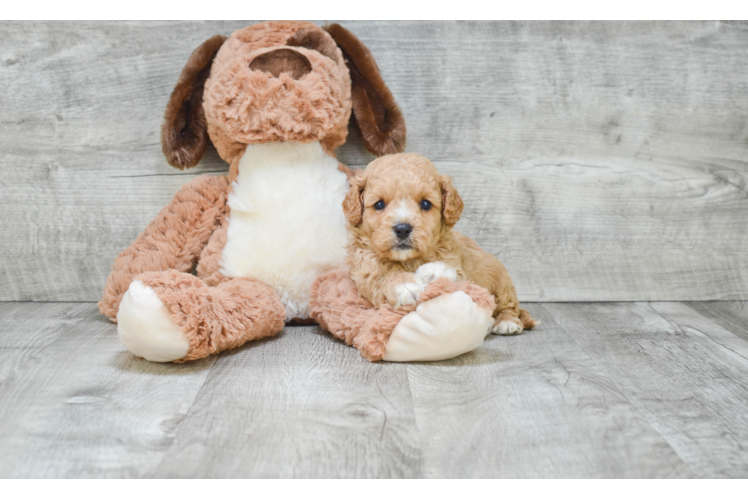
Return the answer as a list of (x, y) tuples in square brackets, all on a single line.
[(145, 327), (441, 328), (172, 316), (451, 319)]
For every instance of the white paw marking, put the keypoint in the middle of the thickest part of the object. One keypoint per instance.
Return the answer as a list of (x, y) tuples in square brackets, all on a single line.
[(506, 328), (145, 327), (433, 270), (408, 293)]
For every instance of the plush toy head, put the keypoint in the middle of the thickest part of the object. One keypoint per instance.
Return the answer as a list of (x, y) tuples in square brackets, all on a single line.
[(273, 81)]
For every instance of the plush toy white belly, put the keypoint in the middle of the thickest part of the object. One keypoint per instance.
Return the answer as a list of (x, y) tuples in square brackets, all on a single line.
[(286, 224)]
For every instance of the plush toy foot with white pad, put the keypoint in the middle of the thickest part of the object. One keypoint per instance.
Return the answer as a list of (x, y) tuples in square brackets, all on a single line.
[(506, 328), (145, 327), (441, 328), (450, 319)]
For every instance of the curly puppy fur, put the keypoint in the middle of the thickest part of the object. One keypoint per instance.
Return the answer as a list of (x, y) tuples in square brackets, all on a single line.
[(400, 214)]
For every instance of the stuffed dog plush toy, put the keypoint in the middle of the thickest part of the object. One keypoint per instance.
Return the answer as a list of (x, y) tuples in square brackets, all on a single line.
[(400, 214), (234, 257)]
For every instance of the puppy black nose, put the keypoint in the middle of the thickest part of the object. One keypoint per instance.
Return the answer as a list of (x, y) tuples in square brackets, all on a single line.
[(282, 61), (403, 230)]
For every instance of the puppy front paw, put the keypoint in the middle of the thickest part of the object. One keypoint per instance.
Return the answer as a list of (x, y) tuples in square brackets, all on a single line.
[(506, 328), (408, 293), (433, 270)]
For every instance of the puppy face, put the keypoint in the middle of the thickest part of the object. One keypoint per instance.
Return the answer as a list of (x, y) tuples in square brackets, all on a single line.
[(400, 206), (279, 81)]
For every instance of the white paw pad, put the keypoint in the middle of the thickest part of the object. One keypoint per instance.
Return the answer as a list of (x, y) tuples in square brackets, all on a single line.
[(506, 328), (145, 327), (441, 328), (433, 270), (408, 293)]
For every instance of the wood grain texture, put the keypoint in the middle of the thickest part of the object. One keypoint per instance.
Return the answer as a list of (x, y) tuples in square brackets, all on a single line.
[(597, 390), (82, 406), (27, 328), (534, 405), (301, 405), (610, 229), (680, 371), (732, 316), (689, 319), (599, 161)]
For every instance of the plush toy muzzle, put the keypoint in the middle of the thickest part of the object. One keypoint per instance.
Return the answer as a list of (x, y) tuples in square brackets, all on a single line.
[(289, 81), (280, 61)]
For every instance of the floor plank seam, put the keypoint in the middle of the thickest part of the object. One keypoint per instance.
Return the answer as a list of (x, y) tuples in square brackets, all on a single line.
[(705, 334), (184, 416), (623, 395)]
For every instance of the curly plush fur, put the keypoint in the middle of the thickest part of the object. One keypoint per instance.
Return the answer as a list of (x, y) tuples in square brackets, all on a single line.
[(377, 118), (279, 91), (217, 318), (339, 309), (254, 106), (270, 82), (184, 134), (173, 240)]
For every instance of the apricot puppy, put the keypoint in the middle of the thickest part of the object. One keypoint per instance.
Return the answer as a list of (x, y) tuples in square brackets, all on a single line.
[(400, 215)]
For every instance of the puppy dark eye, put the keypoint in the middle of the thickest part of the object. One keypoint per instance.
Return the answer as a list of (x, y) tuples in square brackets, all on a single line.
[(425, 205), (379, 205)]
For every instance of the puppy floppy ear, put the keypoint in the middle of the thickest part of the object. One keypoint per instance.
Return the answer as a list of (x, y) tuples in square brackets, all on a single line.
[(451, 202), (353, 205), (184, 133), (376, 117)]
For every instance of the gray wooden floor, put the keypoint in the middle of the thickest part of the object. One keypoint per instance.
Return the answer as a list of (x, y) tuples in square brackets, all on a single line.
[(599, 160), (636, 389)]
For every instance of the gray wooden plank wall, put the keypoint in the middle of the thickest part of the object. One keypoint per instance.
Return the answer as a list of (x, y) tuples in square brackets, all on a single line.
[(599, 161)]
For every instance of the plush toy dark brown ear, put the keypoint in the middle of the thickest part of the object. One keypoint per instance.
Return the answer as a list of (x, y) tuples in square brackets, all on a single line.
[(451, 202), (314, 39), (353, 204), (376, 117), (184, 134)]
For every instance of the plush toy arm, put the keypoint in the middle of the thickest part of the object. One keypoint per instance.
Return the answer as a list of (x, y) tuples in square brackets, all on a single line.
[(450, 319), (173, 240)]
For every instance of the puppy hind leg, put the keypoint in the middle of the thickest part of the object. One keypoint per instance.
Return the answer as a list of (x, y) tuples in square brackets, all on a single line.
[(510, 319), (508, 322), (528, 322)]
